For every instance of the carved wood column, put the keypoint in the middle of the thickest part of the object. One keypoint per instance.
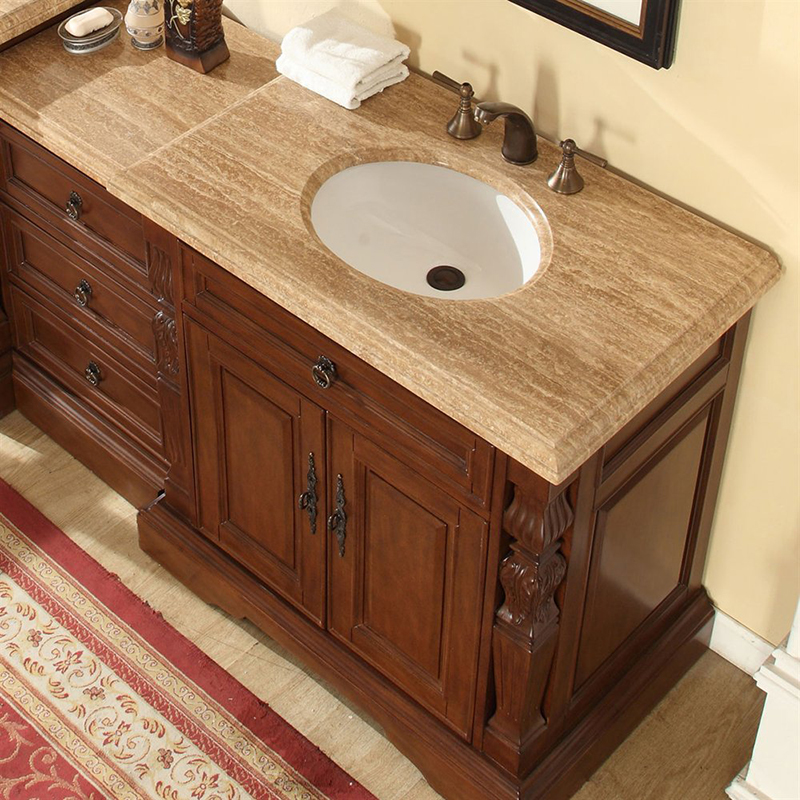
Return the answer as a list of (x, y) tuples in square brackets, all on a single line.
[(162, 271), (526, 624)]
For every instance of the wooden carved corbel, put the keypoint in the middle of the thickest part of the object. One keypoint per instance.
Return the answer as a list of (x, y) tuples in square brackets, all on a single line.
[(526, 624)]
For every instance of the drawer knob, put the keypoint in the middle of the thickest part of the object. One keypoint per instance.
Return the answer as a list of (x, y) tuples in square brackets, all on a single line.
[(82, 293), (92, 373), (323, 372), (74, 205)]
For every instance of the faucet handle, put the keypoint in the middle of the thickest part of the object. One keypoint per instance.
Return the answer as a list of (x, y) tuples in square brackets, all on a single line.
[(565, 179), (463, 124), (447, 82), (569, 144)]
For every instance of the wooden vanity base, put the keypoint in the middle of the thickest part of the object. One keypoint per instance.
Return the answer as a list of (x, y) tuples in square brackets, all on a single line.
[(547, 620), (506, 632), (450, 765)]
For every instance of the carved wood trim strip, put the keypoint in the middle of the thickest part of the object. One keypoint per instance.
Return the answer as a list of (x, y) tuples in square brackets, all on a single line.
[(175, 450), (166, 337), (163, 270), (159, 272)]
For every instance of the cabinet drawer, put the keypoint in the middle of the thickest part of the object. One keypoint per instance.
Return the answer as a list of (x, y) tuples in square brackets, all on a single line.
[(80, 286), (420, 435), (73, 357), (43, 182)]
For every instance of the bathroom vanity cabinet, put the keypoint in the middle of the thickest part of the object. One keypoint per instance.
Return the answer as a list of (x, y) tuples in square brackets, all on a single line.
[(506, 632)]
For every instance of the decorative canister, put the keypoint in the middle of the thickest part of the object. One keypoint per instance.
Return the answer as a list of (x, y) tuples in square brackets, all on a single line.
[(144, 21), (194, 33)]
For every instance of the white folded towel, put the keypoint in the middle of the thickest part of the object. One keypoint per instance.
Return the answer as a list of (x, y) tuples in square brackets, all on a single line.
[(335, 91), (341, 60)]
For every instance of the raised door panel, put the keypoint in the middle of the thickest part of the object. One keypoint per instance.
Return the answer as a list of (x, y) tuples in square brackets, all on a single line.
[(406, 579), (254, 438)]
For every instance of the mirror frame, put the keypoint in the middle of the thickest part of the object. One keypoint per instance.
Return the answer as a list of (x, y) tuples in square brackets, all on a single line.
[(652, 41)]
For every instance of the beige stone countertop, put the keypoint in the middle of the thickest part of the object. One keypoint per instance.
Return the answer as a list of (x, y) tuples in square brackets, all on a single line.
[(632, 290), (104, 111), (19, 16)]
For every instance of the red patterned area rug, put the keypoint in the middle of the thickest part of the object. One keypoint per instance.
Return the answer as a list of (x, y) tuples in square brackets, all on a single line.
[(100, 698)]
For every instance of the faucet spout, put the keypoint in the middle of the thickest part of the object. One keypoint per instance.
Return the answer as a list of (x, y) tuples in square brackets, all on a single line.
[(519, 142)]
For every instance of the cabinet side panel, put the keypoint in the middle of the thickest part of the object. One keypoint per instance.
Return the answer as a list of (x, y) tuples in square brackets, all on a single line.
[(640, 540)]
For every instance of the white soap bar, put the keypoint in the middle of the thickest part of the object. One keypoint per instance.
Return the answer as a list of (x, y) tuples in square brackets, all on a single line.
[(91, 20)]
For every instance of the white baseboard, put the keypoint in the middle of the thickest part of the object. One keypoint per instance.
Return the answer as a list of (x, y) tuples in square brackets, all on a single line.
[(740, 789), (738, 644)]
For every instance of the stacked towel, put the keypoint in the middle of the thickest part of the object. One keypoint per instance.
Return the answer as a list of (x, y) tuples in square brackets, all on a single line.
[(341, 60)]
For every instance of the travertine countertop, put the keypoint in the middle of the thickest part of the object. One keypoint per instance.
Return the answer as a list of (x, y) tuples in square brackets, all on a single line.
[(634, 288), (18, 16)]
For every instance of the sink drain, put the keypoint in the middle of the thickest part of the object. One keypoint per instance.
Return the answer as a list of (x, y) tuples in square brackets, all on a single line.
[(446, 278)]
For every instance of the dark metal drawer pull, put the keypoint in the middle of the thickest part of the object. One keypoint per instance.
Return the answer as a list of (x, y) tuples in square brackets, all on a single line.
[(74, 206), (337, 522), (308, 499), (82, 293), (324, 372), (92, 373)]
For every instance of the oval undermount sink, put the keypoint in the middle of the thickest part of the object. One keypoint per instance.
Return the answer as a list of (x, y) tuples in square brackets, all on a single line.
[(426, 229)]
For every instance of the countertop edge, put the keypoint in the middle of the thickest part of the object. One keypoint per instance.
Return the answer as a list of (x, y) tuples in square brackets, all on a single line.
[(570, 458)]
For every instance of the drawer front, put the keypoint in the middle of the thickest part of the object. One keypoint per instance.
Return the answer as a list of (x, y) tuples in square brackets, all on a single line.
[(420, 435), (80, 286), (43, 182), (91, 371)]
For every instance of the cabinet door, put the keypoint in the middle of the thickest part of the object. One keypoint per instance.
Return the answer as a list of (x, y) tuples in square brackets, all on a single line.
[(406, 571), (257, 441)]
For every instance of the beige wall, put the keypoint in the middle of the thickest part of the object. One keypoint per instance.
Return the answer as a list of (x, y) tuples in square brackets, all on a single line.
[(718, 132)]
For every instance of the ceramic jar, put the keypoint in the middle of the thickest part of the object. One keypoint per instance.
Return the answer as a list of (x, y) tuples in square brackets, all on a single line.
[(144, 21)]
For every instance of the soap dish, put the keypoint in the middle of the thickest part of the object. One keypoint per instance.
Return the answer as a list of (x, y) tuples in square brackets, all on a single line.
[(96, 40)]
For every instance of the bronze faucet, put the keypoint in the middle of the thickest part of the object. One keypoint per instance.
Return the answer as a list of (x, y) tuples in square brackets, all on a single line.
[(519, 144)]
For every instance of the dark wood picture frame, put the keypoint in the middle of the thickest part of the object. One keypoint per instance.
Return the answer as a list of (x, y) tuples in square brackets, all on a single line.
[(652, 41)]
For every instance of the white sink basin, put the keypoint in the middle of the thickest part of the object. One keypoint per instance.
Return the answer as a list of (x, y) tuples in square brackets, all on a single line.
[(397, 220)]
